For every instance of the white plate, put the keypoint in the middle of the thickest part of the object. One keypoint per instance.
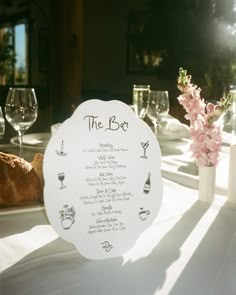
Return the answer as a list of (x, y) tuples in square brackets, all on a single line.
[(34, 140)]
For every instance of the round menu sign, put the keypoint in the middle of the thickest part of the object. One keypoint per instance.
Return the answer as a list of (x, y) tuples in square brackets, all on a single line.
[(102, 176)]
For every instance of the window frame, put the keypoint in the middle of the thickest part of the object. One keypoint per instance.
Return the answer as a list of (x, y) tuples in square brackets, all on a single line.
[(12, 21)]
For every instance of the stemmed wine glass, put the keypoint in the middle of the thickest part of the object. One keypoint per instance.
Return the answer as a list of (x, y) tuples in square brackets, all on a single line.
[(140, 99), (158, 107), (21, 111)]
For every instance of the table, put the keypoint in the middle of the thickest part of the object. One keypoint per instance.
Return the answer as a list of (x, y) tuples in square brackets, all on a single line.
[(13, 149), (189, 249), (178, 166)]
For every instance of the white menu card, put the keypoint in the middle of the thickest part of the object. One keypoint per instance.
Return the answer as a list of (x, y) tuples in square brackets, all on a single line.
[(103, 184)]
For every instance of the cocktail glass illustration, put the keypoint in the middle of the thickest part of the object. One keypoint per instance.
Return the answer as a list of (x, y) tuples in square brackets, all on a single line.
[(61, 177), (144, 145)]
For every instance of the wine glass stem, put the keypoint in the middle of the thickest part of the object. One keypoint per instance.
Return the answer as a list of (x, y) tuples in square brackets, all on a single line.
[(156, 127), (20, 134), (144, 153)]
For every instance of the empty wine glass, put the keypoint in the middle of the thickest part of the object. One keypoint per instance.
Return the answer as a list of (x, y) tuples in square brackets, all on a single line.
[(21, 111), (2, 124), (140, 99), (158, 107)]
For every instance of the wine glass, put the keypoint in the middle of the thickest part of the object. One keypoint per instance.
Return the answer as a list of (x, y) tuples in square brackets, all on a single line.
[(61, 177), (140, 99), (2, 124), (21, 111), (158, 107)]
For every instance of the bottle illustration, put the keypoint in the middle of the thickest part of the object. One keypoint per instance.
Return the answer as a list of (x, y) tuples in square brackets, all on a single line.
[(147, 184)]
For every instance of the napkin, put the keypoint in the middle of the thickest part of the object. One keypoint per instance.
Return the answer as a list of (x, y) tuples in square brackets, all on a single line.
[(173, 136), (54, 127), (172, 129)]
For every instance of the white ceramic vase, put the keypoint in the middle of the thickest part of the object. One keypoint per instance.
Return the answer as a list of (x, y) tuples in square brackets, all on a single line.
[(206, 185), (232, 178)]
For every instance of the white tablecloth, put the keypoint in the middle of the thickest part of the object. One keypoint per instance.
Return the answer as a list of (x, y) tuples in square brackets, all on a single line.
[(180, 167), (189, 249)]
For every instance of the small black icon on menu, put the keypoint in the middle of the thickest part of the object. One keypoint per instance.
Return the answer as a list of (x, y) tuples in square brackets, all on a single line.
[(106, 246), (61, 151), (143, 214), (67, 215), (61, 177), (147, 184), (144, 145)]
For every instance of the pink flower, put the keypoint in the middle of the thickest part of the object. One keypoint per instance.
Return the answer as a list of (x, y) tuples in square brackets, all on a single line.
[(206, 143), (206, 134), (192, 102), (214, 157), (210, 108)]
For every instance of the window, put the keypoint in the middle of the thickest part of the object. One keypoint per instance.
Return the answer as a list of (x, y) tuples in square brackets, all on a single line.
[(14, 53)]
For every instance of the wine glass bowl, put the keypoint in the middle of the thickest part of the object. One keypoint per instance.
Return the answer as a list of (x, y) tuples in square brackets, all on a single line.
[(140, 99), (158, 107), (21, 111)]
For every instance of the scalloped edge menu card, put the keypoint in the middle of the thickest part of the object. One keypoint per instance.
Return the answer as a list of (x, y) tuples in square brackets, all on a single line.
[(102, 174)]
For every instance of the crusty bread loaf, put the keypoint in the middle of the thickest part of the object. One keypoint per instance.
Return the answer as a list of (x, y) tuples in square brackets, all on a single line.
[(21, 182), (37, 165)]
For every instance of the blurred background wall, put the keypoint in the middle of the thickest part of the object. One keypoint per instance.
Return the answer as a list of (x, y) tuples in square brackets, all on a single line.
[(79, 50)]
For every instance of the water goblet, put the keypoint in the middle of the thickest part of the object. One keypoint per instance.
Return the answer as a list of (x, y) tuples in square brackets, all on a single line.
[(2, 124), (21, 111), (158, 107), (140, 99)]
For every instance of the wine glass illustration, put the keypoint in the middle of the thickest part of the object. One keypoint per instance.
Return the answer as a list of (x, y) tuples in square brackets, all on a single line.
[(144, 145), (21, 110), (61, 177)]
